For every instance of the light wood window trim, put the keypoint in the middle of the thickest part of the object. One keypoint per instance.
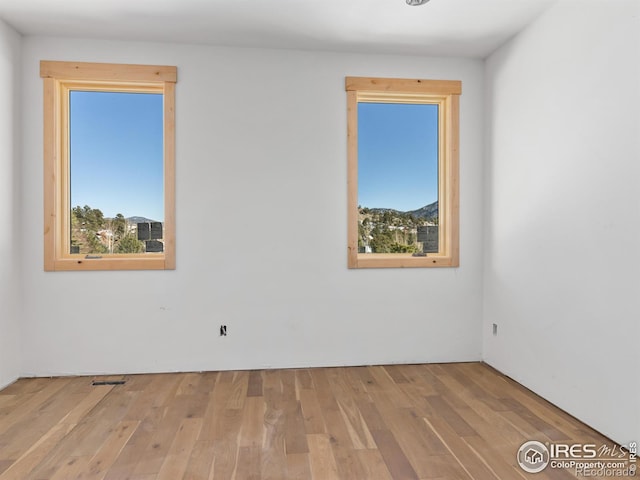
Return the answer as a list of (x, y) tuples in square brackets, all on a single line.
[(445, 93), (58, 79)]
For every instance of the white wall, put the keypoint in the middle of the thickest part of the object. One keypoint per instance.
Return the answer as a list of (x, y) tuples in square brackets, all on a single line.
[(261, 228), (10, 58), (562, 276)]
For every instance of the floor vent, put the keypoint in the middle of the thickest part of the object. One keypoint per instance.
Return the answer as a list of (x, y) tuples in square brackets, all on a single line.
[(108, 382)]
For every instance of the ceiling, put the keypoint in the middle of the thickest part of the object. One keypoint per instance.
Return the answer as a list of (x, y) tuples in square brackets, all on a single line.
[(468, 28)]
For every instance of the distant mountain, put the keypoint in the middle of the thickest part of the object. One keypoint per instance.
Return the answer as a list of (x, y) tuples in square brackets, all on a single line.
[(428, 211), (139, 220)]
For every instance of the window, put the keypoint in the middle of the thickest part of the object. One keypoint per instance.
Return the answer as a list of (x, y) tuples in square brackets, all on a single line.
[(109, 166), (402, 172)]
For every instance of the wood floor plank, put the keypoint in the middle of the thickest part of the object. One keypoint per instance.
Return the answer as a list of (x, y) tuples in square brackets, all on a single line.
[(71, 469), (373, 466), (312, 414), (8, 403), (239, 386), (21, 467), (466, 457), (5, 464), (32, 403), (225, 449), (355, 377), (61, 457), (442, 466), (225, 459), (101, 462), (475, 381), (418, 443), (88, 403), (274, 457), (176, 460), (348, 462), (323, 463), (163, 434), (26, 386), (423, 383), (207, 382), (295, 434), (432, 422), (252, 429), (449, 414), (333, 419), (189, 384), (493, 459), (538, 423), (356, 426), (298, 467), (394, 458), (384, 383), (47, 415), (217, 401), (249, 463), (303, 379), (396, 372), (134, 451), (99, 422), (481, 414), (254, 388), (358, 431), (200, 464)]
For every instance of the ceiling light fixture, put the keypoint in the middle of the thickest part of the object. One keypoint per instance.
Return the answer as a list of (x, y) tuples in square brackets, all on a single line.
[(416, 2)]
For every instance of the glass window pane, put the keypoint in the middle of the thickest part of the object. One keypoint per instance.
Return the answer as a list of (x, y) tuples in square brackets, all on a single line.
[(397, 178), (116, 169)]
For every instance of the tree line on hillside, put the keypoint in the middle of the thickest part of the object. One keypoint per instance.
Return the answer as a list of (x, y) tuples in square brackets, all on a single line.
[(389, 231), (92, 233)]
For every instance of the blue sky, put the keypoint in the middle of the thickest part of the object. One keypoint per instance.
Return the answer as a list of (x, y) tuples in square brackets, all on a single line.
[(116, 143), (397, 155)]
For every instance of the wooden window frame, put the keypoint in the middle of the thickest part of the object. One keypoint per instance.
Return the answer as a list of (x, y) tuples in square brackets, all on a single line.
[(444, 93), (59, 78)]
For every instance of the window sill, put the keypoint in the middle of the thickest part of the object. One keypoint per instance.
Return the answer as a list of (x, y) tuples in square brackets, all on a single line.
[(112, 262), (401, 260)]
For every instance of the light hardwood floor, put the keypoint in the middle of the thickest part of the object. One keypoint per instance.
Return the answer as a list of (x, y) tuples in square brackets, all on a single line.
[(447, 421)]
